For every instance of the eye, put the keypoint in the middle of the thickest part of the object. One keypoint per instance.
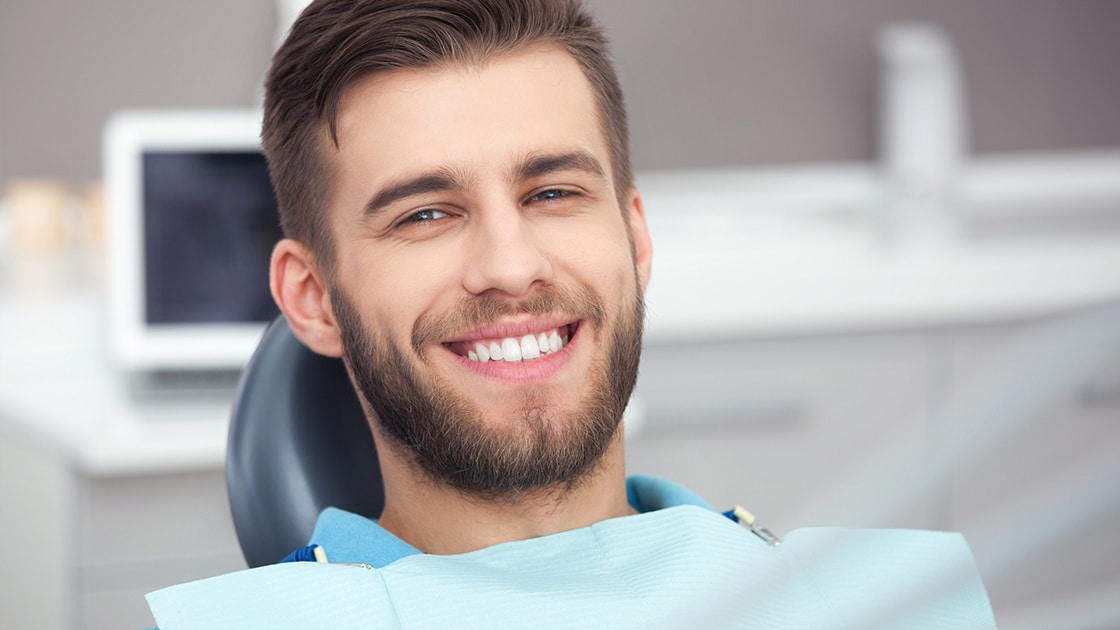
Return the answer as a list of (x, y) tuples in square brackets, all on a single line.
[(426, 215), (552, 194)]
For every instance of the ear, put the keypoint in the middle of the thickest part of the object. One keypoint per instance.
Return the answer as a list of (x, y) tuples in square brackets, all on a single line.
[(639, 233), (300, 290)]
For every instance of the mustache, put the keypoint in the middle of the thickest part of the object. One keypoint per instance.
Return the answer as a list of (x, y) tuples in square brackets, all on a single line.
[(478, 311)]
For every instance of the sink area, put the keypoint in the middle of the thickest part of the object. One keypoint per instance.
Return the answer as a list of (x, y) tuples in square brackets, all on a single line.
[(804, 250)]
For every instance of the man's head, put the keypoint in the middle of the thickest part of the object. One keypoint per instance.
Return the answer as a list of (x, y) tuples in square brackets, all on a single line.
[(454, 181)]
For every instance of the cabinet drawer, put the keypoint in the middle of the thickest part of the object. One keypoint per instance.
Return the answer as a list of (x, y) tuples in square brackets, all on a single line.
[(114, 610), (112, 596), (773, 424), (165, 516)]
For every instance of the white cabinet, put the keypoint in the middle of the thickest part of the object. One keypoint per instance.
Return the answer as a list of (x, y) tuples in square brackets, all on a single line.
[(137, 534), (1040, 507), (86, 549), (842, 430), (777, 425), (36, 582)]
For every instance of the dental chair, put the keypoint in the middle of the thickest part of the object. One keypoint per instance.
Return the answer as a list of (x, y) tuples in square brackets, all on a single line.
[(298, 442)]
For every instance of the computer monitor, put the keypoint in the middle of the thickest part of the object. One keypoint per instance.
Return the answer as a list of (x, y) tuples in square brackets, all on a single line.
[(191, 220)]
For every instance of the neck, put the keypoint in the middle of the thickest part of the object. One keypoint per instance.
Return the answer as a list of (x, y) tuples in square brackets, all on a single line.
[(439, 519)]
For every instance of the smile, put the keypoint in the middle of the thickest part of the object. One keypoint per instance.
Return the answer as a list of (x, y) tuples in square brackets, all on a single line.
[(518, 349)]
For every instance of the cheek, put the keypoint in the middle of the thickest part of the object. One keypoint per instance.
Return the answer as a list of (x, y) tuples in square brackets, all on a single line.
[(602, 254), (392, 289)]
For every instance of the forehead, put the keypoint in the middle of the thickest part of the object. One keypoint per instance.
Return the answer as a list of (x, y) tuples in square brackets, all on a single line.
[(472, 117)]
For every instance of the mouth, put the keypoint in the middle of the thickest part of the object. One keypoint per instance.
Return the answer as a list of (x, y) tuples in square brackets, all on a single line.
[(519, 348)]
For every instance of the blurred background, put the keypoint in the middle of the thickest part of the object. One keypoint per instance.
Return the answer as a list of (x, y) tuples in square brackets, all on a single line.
[(714, 83), (885, 292)]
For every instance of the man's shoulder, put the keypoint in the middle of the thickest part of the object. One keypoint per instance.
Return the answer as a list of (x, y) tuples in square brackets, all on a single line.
[(286, 595)]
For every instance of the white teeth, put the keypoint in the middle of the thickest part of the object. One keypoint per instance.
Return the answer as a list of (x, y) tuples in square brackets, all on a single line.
[(511, 350), (529, 348), (554, 341)]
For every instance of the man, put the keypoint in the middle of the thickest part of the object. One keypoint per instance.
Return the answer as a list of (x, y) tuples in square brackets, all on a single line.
[(464, 232)]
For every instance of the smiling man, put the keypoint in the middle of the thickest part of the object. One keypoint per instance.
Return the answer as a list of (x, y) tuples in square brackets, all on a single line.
[(464, 233), (477, 262)]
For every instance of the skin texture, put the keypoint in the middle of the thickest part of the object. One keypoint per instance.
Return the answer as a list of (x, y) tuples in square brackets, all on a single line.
[(477, 202)]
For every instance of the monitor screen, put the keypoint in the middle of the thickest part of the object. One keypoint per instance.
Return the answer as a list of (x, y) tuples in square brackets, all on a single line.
[(210, 222)]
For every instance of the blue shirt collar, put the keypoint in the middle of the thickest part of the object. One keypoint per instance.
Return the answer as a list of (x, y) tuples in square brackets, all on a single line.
[(348, 537)]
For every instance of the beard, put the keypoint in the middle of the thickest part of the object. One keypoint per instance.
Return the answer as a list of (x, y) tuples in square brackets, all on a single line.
[(447, 438)]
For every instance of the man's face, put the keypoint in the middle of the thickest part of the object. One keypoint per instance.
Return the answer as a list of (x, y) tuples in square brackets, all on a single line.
[(486, 289)]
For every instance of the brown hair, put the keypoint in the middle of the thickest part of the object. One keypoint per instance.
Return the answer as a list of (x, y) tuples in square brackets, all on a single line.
[(336, 42)]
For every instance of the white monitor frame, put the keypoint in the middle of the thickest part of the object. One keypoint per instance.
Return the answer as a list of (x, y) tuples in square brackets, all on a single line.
[(134, 344)]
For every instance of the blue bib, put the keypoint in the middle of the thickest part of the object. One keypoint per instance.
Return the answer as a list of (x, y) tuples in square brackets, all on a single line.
[(682, 566)]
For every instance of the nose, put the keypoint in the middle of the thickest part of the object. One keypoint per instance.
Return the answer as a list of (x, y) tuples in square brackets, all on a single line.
[(505, 254)]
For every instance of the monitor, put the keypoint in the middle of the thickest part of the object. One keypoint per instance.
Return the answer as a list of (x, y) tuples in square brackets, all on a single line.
[(191, 220)]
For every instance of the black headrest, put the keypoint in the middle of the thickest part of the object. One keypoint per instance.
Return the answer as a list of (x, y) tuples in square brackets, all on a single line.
[(298, 442)]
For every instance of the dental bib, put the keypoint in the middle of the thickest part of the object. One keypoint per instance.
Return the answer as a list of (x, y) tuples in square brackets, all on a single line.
[(682, 566)]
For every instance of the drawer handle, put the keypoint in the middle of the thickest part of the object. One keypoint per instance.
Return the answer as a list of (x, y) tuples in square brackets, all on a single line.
[(1100, 395), (761, 415)]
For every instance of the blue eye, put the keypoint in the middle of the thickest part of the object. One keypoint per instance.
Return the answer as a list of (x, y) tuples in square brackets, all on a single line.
[(551, 194), (427, 215)]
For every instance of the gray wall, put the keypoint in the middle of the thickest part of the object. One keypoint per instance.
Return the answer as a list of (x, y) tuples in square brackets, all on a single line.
[(65, 65), (762, 81), (709, 82)]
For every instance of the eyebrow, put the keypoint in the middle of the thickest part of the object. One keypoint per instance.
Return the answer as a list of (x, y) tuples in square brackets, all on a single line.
[(427, 183), (543, 164)]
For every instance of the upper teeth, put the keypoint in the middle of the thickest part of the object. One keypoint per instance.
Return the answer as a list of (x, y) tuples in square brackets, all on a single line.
[(513, 349)]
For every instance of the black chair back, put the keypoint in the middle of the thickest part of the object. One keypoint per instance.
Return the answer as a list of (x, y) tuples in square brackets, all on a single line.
[(298, 442)]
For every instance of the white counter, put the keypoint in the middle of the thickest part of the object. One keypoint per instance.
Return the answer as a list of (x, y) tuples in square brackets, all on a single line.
[(829, 287)]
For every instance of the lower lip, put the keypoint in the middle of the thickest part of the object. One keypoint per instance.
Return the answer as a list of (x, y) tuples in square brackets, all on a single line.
[(523, 371)]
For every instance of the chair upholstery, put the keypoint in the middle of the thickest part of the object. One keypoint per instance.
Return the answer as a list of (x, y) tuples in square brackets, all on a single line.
[(298, 442)]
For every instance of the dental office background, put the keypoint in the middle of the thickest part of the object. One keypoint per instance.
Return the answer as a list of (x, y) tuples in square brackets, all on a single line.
[(886, 290)]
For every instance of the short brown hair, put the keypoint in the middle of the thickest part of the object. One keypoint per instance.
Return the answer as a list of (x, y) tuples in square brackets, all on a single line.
[(337, 42)]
